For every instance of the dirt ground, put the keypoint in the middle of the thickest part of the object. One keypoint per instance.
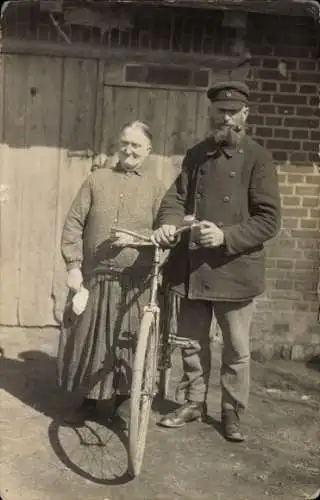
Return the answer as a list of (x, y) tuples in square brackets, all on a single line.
[(41, 460)]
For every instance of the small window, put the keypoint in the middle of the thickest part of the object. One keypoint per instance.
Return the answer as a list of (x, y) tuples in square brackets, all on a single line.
[(166, 76)]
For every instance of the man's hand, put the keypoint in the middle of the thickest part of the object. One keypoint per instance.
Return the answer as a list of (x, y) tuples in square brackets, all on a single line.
[(210, 235), (123, 240), (165, 235), (74, 279)]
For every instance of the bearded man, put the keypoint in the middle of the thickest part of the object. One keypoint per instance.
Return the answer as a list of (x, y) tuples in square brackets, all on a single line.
[(229, 183)]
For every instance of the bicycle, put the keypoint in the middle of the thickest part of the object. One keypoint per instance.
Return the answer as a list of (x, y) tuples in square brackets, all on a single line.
[(146, 362)]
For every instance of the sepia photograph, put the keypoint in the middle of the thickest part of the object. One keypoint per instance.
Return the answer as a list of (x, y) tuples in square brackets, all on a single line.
[(160, 249)]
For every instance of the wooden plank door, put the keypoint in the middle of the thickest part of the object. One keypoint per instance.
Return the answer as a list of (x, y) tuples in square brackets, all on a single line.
[(29, 168), (81, 87)]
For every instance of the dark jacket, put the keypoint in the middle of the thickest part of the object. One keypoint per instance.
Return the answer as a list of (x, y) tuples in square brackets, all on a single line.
[(238, 191)]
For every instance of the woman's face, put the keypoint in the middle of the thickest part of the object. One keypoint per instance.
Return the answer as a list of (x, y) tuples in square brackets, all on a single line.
[(134, 146)]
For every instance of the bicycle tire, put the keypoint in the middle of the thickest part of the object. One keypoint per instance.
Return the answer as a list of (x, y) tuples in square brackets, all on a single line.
[(143, 389)]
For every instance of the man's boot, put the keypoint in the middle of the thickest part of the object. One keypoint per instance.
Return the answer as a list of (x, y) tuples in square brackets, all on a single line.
[(78, 416), (188, 412), (231, 426)]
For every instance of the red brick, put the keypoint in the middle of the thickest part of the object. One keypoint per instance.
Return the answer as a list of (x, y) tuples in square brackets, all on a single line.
[(284, 284), (305, 111), (270, 63), (297, 158), (269, 87), (289, 223), (308, 243), (274, 121), (303, 285), (314, 213), (309, 224), (314, 157), (307, 65), (290, 99), (306, 264), (283, 144), (300, 76), (264, 131), (315, 135), (288, 87), (258, 97), (282, 178), (310, 146), (267, 109), (296, 178), (282, 253), (302, 169), (301, 122), (284, 264), (314, 102), (294, 212), (313, 179), (295, 51), (285, 190), (307, 190), (300, 134), (298, 233), (308, 89), (293, 201), (309, 201), (256, 119), (286, 243), (263, 50), (253, 84), (279, 156), (283, 133), (312, 255), (284, 294), (286, 110), (272, 74)]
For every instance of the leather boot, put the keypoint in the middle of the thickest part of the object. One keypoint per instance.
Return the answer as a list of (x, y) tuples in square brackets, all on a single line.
[(78, 416), (188, 412), (231, 426)]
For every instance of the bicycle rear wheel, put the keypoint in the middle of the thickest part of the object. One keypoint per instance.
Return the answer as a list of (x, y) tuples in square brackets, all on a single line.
[(143, 388)]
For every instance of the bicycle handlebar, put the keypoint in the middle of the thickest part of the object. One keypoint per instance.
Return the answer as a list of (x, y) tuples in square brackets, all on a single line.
[(146, 239)]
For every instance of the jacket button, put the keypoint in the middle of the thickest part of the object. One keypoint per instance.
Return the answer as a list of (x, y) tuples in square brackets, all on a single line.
[(198, 196), (219, 224), (232, 173), (226, 199), (192, 245)]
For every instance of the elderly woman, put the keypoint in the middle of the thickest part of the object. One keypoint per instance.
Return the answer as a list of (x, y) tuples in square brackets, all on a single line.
[(96, 346)]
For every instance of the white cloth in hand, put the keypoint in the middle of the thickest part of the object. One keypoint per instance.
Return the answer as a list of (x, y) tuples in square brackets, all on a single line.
[(80, 300)]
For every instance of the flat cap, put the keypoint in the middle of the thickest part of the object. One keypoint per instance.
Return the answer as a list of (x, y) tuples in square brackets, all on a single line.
[(231, 95)]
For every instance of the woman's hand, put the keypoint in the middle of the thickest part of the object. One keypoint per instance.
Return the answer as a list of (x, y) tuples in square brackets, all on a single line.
[(165, 235), (74, 279)]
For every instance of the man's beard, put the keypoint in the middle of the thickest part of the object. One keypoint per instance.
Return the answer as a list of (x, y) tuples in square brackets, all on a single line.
[(228, 135)]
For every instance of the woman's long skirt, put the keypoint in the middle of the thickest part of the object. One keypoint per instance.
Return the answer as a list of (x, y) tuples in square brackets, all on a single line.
[(96, 349)]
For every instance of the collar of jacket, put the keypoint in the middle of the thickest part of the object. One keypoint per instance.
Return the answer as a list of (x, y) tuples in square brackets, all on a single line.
[(227, 151)]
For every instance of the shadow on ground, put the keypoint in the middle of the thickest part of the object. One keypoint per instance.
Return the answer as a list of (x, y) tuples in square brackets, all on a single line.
[(31, 379)]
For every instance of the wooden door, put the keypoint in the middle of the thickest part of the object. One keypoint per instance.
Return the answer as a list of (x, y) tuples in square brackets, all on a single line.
[(49, 111)]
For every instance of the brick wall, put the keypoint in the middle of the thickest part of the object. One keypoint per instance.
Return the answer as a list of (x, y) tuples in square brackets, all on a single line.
[(285, 104)]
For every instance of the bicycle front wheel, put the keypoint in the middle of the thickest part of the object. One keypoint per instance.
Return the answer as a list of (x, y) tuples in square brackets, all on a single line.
[(143, 389)]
